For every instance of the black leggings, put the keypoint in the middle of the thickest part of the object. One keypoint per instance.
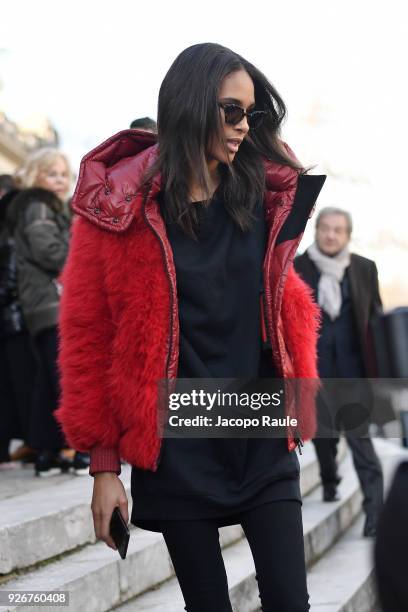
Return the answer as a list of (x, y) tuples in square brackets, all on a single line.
[(274, 533)]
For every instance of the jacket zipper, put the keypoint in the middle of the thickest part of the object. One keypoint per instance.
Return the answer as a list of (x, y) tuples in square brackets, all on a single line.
[(158, 458), (264, 331), (299, 443)]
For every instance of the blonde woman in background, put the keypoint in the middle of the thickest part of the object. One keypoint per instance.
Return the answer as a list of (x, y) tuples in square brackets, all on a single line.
[(41, 226)]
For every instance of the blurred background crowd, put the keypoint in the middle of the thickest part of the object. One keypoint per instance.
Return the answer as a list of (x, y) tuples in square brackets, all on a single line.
[(34, 237)]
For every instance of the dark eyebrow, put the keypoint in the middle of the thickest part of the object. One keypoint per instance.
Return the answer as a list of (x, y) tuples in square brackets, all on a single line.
[(236, 101)]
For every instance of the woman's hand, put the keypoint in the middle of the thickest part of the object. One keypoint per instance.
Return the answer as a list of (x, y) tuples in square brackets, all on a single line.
[(108, 492)]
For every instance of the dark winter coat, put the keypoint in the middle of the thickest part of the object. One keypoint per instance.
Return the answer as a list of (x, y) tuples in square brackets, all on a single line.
[(119, 324), (41, 234), (11, 316), (364, 295)]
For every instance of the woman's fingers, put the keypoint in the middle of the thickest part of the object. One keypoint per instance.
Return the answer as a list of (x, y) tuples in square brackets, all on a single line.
[(123, 507), (101, 522), (105, 535)]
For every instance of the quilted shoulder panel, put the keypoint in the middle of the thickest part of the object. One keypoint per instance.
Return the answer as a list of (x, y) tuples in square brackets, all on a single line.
[(109, 188)]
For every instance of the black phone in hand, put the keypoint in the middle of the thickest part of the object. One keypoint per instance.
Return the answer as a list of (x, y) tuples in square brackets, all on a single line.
[(119, 532)]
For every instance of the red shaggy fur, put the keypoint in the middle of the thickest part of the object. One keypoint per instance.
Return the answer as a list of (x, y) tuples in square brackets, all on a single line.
[(301, 318), (112, 399)]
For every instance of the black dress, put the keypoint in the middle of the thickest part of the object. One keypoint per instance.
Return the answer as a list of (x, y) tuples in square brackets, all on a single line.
[(219, 279)]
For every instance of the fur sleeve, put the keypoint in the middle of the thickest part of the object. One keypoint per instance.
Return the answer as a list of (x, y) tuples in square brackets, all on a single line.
[(86, 334), (301, 321)]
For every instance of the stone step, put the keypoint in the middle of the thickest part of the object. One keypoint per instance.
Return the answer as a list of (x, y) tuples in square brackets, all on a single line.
[(53, 519), (98, 580), (22, 480), (343, 580), (57, 519)]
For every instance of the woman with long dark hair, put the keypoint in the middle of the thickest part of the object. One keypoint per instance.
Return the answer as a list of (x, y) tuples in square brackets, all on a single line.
[(180, 266)]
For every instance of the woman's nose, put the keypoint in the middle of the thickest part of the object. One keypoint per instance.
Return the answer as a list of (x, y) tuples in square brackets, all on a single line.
[(243, 126)]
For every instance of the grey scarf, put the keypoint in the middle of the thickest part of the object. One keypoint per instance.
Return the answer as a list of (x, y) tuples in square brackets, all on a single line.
[(331, 270)]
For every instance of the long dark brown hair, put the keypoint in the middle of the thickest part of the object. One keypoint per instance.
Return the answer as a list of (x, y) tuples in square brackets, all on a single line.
[(189, 119)]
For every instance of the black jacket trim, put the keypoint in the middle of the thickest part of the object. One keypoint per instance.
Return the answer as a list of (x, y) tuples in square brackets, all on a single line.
[(307, 192)]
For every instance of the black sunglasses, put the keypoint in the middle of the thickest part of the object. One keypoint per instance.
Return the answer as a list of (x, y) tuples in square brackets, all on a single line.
[(234, 114)]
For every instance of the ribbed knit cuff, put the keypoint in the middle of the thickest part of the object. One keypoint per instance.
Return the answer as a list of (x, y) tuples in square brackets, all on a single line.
[(104, 460)]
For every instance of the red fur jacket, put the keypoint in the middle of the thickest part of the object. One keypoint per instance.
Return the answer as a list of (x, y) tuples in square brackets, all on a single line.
[(118, 316)]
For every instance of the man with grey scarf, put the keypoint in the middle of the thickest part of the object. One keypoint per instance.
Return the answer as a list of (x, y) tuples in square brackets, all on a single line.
[(346, 288)]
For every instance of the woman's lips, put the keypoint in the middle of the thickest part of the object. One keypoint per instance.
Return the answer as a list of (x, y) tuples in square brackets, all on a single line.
[(233, 145)]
